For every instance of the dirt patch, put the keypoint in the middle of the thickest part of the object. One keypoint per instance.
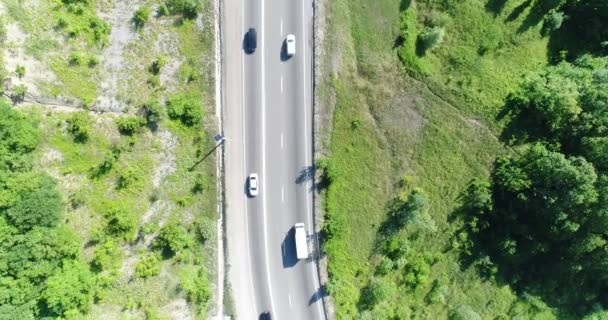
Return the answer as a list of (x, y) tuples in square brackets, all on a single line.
[(14, 55), (112, 63), (167, 44), (178, 309), (166, 157)]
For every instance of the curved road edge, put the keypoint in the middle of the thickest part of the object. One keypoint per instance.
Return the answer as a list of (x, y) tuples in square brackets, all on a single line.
[(320, 127)]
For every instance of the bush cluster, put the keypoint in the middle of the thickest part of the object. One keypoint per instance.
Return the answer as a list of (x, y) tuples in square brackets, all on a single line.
[(186, 108), (79, 126)]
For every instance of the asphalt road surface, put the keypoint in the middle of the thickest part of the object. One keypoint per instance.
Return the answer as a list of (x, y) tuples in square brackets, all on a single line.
[(268, 129)]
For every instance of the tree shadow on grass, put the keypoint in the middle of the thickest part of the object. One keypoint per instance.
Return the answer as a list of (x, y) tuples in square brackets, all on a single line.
[(537, 12), (495, 6), (518, 10), (583, 31)]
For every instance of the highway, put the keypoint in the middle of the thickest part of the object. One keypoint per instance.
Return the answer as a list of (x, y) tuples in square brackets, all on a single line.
[(268, 128)]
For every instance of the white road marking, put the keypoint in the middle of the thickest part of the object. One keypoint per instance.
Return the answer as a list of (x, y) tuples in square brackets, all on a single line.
[(283, 195), (281, 27), (289, 297), (281, 141), (281, 83), (264, 219), (245, 159)]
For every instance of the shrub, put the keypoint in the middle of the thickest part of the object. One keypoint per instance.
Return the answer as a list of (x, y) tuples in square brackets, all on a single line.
[(119, 221), (200, 182), (375, 292), (19, 93), (141, 16), (327, 166), (187, 8), (129, 125), (205, 229), (148, 266), (93, 61), (430, 38), (163, 10), (75, 58), (172, 238), (157, 65), (385, 266), (100, 29), (185, 108), (196, 285), (20, 71), (107, 257), (553, 21), (79, 126), (153, 112), (154, 81), (127, 177), (417, 272)]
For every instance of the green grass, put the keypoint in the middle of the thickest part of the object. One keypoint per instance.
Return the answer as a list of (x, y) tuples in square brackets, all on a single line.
[(435, 127)]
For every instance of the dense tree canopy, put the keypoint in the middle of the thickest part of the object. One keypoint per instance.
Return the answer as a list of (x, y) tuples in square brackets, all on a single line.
[(544, 216), (40, 272)]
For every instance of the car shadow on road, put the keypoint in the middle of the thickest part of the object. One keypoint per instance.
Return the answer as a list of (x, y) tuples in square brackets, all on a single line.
[(246, 189), (288, 249), (283, 54)]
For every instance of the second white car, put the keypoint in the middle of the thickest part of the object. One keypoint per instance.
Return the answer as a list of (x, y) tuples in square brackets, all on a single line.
[(290, 43), (253, 184)]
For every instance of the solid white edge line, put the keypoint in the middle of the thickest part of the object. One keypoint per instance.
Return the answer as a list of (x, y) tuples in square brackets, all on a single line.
[(264, 159), (308, 155), (245, 164), (282, 141)]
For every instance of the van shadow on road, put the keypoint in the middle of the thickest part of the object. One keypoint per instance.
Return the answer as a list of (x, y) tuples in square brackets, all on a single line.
[(288, 249), (283, 54)]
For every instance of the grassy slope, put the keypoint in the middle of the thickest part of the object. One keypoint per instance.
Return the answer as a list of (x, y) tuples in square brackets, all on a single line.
[(404, 129), (124, 295)]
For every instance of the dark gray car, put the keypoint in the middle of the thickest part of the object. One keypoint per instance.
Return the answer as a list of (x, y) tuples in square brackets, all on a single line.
[(251, 40)]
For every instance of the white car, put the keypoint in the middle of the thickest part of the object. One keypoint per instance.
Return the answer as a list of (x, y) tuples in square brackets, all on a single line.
[(291, 45), (253, 184)]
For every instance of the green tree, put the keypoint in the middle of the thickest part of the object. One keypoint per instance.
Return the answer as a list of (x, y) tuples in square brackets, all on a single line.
[(120, 221), (548, 223), (430, 38), (553, 21), (547, 103), (40, 207), (185, 107), (79, 125), (173, 238), (69, 290)]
